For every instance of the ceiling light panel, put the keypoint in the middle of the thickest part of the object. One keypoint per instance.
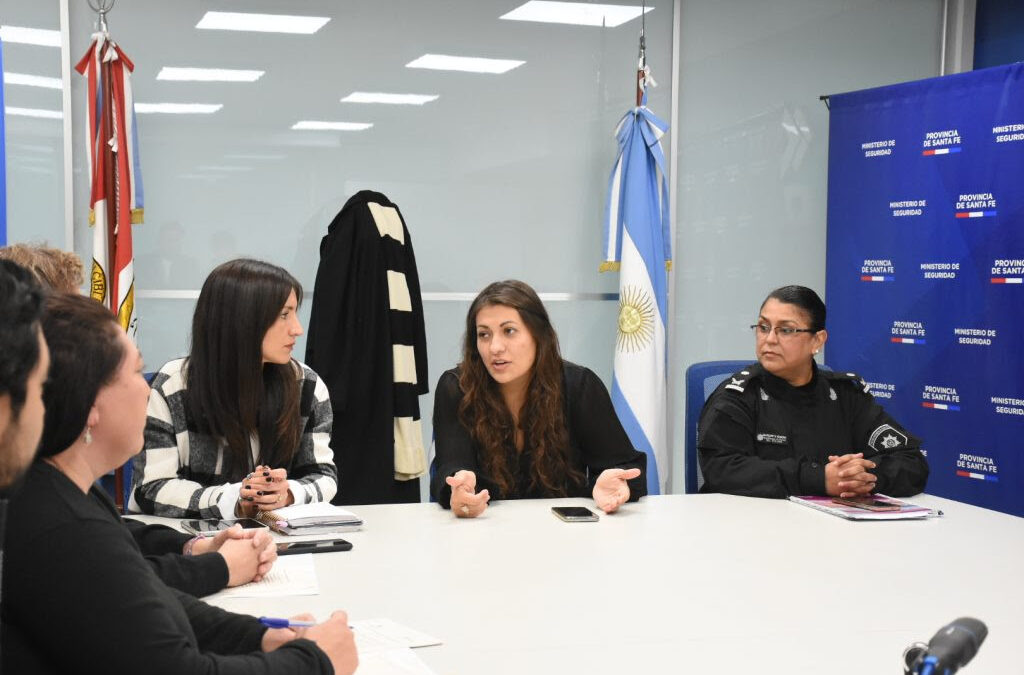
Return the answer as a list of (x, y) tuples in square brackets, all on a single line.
[(392, 99), (466, 64), (577, 13), (320, 125), (30, 36), (33, 80), (208, 74), (262, 23), (178, 108)]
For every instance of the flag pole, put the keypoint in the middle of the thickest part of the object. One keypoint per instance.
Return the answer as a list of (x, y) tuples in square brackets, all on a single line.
[(641, 73)]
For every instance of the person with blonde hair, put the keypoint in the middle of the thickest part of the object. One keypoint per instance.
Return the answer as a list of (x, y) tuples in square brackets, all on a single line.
[(52, 267)]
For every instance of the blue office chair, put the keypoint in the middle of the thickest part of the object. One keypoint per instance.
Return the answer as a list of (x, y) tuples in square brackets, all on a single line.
[(701, 380)]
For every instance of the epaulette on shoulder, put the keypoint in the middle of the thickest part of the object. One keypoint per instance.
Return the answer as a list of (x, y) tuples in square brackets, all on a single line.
[(853, 378), (738, 381)]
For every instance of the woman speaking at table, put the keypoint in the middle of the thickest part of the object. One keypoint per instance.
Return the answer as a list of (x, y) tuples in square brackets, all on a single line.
[(78, 595), (515, 421), (785, 427), (239, 426)]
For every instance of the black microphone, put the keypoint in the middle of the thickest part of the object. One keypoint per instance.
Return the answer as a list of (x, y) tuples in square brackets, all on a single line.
[(954, 646)]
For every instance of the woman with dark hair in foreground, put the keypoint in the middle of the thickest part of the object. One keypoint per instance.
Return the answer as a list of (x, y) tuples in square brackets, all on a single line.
[(784, 427), (78, 595)]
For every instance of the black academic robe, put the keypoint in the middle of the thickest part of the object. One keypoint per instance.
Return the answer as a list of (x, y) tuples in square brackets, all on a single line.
[(352, 332)]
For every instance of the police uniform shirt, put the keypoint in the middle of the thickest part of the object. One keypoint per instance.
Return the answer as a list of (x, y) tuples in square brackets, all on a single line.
[(759, 436)]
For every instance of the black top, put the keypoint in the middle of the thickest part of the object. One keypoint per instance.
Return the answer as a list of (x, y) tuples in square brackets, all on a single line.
[(78, 596), (196, 575), (759, 436), (597, 441)]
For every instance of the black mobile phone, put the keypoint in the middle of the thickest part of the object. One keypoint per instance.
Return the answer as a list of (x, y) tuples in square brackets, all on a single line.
[(211, 526), (868, 503), (574, 514), (313, 547)]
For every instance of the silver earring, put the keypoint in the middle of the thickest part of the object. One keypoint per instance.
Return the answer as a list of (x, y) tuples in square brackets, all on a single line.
[(815, 351), (88, 435)]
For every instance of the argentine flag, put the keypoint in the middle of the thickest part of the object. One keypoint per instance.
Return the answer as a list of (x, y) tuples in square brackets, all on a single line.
[(637, 243)]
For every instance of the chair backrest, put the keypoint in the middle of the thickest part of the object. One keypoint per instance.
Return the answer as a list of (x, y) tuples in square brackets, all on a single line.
[(701, 379)]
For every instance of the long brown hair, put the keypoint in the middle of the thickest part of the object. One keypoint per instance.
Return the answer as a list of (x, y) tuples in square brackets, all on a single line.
[(482, 409), (230, 393)]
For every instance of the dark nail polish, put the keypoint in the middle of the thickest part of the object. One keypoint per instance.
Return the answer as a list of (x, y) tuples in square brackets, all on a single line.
[(248, 499), (266, 473), (246, 487), (260, 493)]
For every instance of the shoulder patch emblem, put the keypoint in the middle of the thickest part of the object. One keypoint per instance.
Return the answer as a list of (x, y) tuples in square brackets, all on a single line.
[(886, 437), (832, 394), (737, 385)]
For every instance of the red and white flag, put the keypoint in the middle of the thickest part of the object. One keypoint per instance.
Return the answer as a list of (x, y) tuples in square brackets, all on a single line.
[(116, 197)]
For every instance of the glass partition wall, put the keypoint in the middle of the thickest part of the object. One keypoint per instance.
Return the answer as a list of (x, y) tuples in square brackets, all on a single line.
[(498, 174)]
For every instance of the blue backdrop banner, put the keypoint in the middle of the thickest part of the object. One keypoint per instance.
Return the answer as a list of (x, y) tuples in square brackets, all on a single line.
[(925, 269)]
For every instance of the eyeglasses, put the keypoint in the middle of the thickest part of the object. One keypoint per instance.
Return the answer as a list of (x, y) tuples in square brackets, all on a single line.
[(761, 330)]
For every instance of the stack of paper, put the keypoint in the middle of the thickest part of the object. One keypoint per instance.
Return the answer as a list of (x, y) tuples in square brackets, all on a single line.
[(290, 575), (906, 510), (316, 518)]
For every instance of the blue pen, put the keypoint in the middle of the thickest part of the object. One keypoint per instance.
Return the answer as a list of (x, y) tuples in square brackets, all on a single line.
[(272, 622)]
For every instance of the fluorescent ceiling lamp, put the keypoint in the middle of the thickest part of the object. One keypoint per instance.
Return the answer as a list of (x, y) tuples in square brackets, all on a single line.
[(34, 112), (179, 108), (464, 63), (262, 23), (208, 74), (578, 13), (317, 125), (394, 99), (30, 36), (33, 80)]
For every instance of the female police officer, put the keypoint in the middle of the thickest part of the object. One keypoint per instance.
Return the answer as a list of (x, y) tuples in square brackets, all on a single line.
[(783, 427)]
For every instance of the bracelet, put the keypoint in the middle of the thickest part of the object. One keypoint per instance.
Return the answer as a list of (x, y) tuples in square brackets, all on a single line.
[(190, 544)]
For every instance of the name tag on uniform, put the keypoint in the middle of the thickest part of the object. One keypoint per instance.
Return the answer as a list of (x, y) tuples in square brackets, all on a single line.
[(773, 439)]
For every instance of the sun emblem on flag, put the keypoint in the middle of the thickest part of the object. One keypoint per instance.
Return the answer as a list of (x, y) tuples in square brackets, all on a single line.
[(636, 319)]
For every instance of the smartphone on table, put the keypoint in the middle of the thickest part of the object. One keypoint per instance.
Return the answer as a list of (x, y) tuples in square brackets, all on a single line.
[(313, 547), (574, 514), (211, 526), (869, 503)]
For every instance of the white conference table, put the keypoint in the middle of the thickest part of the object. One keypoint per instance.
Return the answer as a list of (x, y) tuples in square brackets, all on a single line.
[(677, 583)]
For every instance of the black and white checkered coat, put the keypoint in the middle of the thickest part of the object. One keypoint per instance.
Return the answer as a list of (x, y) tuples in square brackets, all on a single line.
[(180, 472)]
